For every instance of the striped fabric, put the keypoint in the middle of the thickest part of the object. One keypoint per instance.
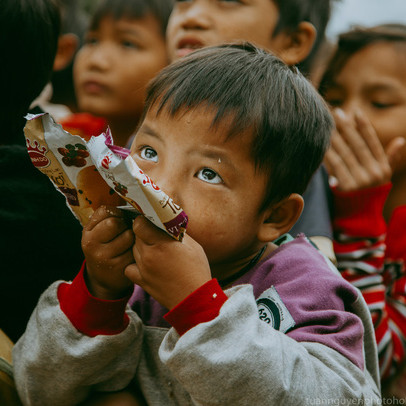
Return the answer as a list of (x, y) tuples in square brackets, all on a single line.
[(371, 255)]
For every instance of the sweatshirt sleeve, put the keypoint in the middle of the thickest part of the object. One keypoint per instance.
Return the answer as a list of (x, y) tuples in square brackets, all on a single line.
[(57, 364), (238, 359), (366, 258)]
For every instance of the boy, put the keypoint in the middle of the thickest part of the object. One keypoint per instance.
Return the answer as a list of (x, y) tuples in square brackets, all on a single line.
[(124, 49), (292, 29), (217, 150)]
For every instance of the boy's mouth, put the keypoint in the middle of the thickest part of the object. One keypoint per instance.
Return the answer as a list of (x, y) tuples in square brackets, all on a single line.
[(93, 87), (187, 45)]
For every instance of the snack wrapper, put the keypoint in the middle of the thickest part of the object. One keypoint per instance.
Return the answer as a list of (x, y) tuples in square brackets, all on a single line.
[(95, 172)]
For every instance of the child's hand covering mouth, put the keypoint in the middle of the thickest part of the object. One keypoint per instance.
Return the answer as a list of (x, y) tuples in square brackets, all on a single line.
[(118, 175)]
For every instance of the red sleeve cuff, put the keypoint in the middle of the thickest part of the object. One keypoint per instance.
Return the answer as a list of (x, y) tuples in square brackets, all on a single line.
[(354, 210), (90, 315), (201, 306)]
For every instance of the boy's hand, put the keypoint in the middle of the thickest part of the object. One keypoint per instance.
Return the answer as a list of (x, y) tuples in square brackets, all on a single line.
[(356, 157), (107, 242), (167, 269)]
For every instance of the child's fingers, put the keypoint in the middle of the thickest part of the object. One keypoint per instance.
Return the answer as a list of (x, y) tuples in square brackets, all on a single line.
[(368, 134), (123, 260), (147, 232), (106, 230), (100, 214), (337, 168), (121, 243), (132, 272), (347, 157), (394, 151), (355, 139)]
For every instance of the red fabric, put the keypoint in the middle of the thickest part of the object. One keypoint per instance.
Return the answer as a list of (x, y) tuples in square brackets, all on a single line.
[(201, 306), (372, 254), (90, 315), (84, 125), (353, 211)]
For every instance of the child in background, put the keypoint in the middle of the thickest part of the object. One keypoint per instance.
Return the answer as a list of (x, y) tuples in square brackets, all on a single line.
[(250, 324), (123, 50), (292, 29), (365, 83)]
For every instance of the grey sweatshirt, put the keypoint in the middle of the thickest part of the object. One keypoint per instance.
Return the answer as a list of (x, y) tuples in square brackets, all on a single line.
[(292, 332)]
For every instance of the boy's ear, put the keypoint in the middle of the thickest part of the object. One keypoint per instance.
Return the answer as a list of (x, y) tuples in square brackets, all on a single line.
[(67, 45), (280, 218), (294, 47)]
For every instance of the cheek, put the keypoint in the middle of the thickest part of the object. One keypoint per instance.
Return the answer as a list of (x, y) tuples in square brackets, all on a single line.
[(218, 228), (388, 127), (207, 222), (79, 66)]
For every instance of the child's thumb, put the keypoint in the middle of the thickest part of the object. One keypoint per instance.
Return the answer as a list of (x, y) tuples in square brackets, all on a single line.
[(394, 151)]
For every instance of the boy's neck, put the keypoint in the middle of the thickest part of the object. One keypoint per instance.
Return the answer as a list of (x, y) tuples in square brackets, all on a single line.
[(397, 195), (227, 273), (122, 130)]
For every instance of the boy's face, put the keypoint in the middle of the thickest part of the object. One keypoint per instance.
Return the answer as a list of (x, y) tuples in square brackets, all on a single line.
[(113, 67), (213, 179), (374, 81), (198, 23)]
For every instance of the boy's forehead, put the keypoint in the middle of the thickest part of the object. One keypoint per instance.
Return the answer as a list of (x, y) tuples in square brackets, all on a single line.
[(197, 122), (223, 124)]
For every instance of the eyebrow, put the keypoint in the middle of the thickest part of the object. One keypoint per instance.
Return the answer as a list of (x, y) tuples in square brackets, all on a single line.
[(205, 152), (382, 86), (146, 129)]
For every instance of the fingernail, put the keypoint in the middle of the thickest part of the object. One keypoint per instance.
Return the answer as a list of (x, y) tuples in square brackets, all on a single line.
[(340, 113)]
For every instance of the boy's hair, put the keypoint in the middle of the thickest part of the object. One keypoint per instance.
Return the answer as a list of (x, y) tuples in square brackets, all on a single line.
[(293, 12), (356, 39), (29, 31), (161, 9), (290, 122)]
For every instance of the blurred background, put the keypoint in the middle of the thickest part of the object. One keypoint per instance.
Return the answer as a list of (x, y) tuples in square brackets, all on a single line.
[(347, 13)]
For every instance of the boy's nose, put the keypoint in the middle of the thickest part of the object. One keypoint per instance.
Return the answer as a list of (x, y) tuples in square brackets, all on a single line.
[(99, 57), (197, 15), (170, 186)]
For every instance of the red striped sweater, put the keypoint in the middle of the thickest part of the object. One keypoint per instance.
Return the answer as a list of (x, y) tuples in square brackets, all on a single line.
[(371, 255)]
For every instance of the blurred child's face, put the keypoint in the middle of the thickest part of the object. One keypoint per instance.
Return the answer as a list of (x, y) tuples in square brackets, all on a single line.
[(198, 23), (213, 179), (113, 67), (374, 81)]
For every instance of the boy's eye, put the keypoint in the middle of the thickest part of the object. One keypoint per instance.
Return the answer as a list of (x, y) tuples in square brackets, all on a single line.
[(129, 44), (209, 176), (380, 105), (149, 154)]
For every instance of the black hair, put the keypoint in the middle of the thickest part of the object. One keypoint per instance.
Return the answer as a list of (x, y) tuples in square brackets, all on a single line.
[(29, 31), (291, 123), (353, 41), (293, 12), (161, 9)]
